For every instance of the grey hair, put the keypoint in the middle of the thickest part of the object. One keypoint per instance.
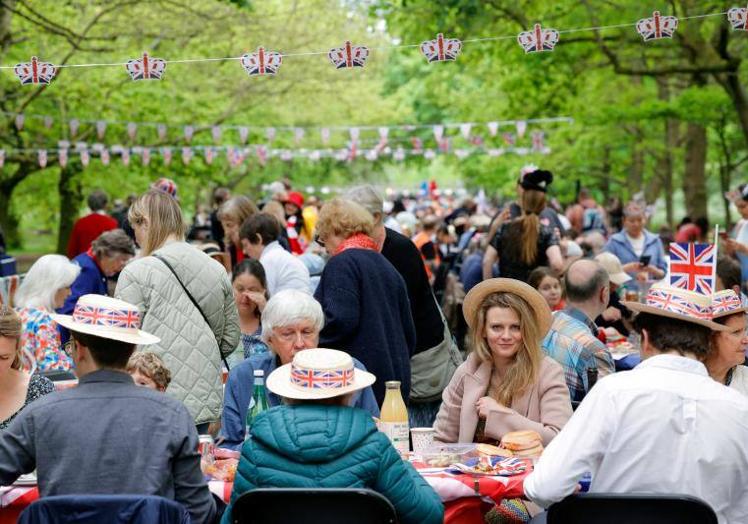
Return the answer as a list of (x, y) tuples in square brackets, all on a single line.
[(290, 306), (367, 197), (48, 275), (634, 209)]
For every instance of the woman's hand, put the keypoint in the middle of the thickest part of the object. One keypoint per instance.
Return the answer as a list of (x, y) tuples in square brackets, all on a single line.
[(612, 314), (485, 405), (258, 298), (632, 267)]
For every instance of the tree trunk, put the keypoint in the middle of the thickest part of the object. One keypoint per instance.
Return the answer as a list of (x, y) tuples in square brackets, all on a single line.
[(637, 170), (71, 194), (694, 177), (8, 221), (730, 82), (665, 162)]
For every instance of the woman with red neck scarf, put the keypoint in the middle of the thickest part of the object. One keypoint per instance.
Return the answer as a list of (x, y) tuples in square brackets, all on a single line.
[(364, 298)]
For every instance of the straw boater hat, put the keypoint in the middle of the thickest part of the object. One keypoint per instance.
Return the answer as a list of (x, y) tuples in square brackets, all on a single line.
[(726, 303), (317, 374), (538, 305), (612, 265), (671, 302), (107, 317)]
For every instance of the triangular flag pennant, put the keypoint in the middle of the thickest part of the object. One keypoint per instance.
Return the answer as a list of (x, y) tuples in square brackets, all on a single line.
[(186, 155), (188, 132), (429, 154), (493, 128), (209, 154), (384, 133), (314, 155), (126, 156), (465, 130), (298, 134), (216, 133), (262, 154), (538, 141), (42, 158), (145, 156), (417, 144), (325, 134), (2, 157), (270, 133), (438, 132), (354, 132), (509, 139), (444, 145), (521, 128), (20, 119), (100, 129), (62, 157), (74, 125), (85, 156), (166, 155), (48, 121), (161, 130), (243, 134), (132, 130), (371, 155), (105, 156)]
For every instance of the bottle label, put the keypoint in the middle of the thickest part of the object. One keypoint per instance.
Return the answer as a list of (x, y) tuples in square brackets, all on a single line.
[(397, 432)]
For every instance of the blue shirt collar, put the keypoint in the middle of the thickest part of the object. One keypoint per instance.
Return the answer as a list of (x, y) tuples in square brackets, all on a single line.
[(581, 317)]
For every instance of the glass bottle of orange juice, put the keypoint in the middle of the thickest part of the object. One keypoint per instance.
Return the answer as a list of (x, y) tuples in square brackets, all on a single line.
[(394, 417)]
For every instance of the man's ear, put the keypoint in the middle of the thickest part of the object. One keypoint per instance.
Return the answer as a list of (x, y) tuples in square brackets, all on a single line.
[(646, 349)]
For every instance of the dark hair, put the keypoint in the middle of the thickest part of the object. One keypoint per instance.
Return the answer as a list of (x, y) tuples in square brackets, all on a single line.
[(111, 243), (263, 224), (672, 334), (537, 275), (585, 289), (250, 267), (97, 200), (729, 272), (106, 352), (221, 195)]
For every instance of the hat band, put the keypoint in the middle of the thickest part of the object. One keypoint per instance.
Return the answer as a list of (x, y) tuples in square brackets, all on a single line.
[(106, 317), (673, 303), (725, 303), (306, 378)]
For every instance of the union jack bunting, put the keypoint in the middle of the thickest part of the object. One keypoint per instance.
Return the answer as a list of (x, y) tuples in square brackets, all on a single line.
[(669, 301), (738, 17), (725, 301), (657, 27), (35, 72), (146, 68), (538, 141), (441, 49), (321, 379), (107, 317), (262, 62), (348, 56), (538, 39), (692, 267), (20, 119)]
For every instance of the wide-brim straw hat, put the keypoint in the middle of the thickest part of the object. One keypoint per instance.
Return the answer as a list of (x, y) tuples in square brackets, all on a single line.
[(726, 303), (107, 317), (538, 305), (317, 374), (671, 302)]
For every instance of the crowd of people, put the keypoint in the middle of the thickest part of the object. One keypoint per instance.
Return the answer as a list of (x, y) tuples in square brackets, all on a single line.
[(492, 317)]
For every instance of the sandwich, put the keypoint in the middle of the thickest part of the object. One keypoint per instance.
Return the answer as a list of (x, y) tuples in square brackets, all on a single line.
[(488, 450), (523, 443)]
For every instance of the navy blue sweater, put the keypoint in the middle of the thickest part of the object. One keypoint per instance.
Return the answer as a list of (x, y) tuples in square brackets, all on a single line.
[(367, 314)]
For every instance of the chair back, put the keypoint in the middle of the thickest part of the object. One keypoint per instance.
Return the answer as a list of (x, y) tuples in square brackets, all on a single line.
[(312, 506), (613, 508), (105, 509)]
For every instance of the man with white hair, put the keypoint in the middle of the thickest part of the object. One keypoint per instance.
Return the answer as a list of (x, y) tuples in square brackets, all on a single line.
[(436, 355), (291, 322)]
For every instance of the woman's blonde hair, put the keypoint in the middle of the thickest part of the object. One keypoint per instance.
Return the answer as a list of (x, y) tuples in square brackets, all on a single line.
[(344, 218), (238, 209), (533, 202), (524, 370), (10, 327), (164, 218)]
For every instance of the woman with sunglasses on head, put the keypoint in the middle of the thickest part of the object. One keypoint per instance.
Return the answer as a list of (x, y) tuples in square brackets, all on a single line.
[(291, 322), (17, 388)]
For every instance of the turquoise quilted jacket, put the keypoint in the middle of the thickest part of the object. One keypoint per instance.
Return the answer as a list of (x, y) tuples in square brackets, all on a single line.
[(307, 446)]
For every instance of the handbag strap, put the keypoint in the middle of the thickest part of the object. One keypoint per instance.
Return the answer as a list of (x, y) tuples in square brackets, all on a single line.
[(194, 303)]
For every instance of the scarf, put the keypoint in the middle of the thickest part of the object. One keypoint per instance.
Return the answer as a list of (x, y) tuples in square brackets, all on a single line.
[(357, 241), (90, 253)]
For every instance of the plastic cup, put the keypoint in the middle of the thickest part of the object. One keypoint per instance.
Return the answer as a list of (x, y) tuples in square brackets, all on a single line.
[(423, 438)]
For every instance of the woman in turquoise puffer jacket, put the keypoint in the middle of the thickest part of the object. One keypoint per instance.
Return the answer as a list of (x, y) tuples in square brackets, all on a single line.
[(323, 443)]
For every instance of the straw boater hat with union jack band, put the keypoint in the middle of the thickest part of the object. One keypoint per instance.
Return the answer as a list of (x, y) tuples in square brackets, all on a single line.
[(317, 374), (672, 302), (107, 317), (726, 303)]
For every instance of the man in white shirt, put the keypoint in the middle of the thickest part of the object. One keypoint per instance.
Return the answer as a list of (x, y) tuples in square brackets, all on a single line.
[(665, 427), (259, 238)]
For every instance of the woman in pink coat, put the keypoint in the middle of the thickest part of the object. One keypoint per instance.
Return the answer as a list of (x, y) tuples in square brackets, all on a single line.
[(507, 383)]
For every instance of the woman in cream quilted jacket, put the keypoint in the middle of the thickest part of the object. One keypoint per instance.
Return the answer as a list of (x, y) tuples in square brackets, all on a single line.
[(192, 344)]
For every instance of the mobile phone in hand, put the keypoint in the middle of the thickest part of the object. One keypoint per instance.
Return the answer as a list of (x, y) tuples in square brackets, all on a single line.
[(644, 260)]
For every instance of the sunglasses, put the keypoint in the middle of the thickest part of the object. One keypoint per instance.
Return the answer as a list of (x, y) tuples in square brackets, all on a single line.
[(68, 347)]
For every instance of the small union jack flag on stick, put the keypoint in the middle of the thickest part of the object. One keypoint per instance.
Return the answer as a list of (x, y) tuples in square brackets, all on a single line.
[(738, 17), (262, 62), (146, 68), (657, 27), (348, 56), (441, 49), (35, 72), (692, 267), (538, 39)]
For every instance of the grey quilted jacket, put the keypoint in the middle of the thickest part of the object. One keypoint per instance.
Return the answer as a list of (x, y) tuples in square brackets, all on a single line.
[(189, 347)]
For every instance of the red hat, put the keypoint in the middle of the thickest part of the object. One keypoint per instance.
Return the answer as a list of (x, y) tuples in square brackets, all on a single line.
[(294, 198)]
